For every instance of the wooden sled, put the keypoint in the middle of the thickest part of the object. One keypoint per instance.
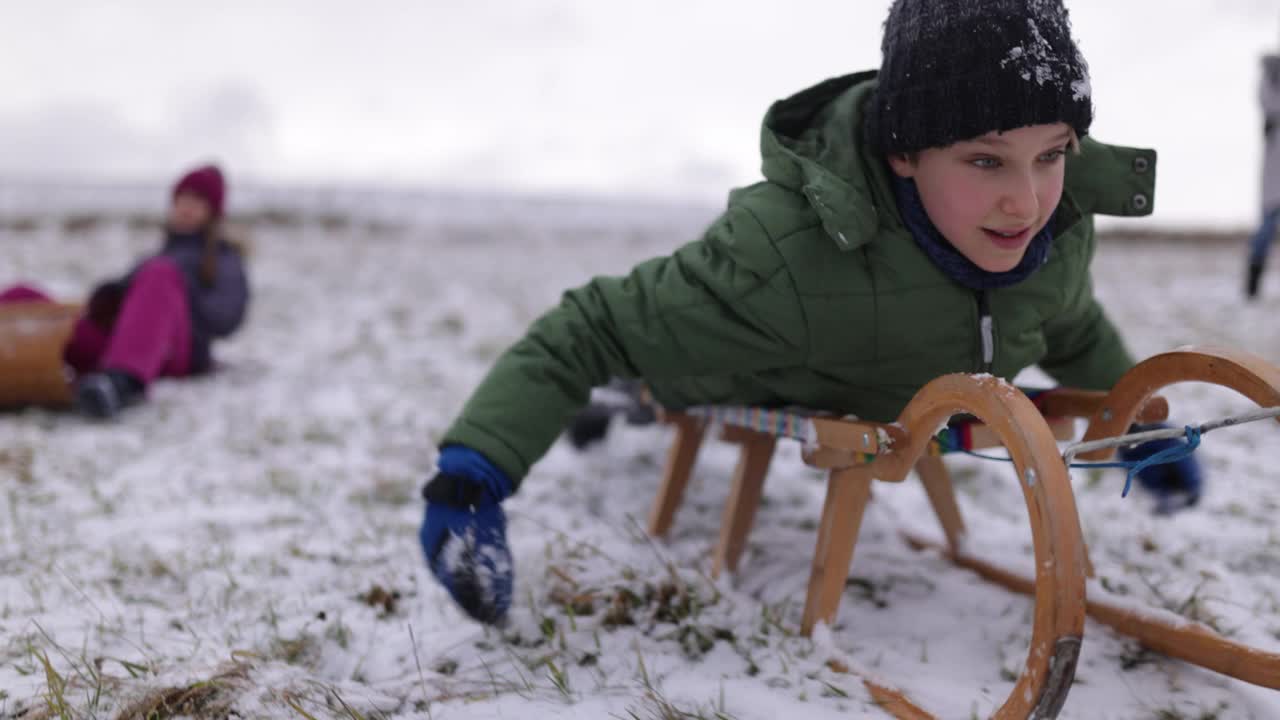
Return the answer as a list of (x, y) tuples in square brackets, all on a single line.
[(32, 338), (857, 452), (1164, 632)]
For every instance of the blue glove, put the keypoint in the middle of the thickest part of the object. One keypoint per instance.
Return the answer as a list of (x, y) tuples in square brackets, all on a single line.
[(1176, 485), (464, 532)]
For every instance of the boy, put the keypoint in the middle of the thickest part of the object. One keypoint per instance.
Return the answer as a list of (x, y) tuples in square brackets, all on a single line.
[(914, 222)]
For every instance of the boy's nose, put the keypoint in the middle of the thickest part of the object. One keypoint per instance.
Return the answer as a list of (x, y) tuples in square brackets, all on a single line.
[(1019, 199)]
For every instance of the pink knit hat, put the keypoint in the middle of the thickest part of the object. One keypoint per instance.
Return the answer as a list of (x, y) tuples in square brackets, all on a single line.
[(206, 182)]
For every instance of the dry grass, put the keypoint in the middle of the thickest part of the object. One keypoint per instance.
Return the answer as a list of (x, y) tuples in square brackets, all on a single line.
[(212, 698)]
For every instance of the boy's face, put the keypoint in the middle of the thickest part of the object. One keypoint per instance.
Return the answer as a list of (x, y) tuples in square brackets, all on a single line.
[(989, 196)]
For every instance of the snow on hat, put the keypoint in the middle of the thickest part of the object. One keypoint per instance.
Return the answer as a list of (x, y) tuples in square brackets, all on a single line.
[(953, 70)]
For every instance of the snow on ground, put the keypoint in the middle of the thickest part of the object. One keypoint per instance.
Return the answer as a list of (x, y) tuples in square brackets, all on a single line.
[(246, 543)]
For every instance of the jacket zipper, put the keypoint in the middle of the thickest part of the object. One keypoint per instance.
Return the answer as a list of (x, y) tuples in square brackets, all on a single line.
[(986, 331)]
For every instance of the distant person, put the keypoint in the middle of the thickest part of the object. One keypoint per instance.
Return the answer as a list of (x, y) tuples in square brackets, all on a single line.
[(159, 319), (1269, 98)]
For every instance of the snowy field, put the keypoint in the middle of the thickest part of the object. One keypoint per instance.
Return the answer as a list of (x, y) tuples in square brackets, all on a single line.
[(245, 544)]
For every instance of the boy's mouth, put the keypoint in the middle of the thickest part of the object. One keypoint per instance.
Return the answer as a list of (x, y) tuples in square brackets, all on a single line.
[(1008, 239)]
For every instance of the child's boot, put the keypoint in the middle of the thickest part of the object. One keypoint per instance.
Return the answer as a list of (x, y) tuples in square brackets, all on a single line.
[(625, 397), (104, 394)]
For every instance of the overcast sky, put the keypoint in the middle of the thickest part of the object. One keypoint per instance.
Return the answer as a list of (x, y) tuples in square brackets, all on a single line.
[(660, 98)]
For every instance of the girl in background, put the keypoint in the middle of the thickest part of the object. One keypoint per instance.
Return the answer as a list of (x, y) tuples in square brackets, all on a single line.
[(159, 319)]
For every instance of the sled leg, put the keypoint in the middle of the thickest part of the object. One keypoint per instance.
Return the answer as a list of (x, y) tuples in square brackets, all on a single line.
[(675, 476), (744, 496), (848, 491)]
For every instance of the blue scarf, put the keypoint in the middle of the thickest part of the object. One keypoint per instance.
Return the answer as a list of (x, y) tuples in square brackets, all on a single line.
[(952, 263)]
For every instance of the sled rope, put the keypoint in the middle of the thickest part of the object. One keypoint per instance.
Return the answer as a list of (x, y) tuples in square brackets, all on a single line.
[(950, 442)]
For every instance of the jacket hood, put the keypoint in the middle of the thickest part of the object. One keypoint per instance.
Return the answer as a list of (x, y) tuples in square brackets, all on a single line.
[(810, 143)]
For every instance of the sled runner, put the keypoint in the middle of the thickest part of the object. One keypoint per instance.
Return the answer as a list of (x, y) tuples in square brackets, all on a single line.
[(1156, 629), (32, 337), (991, 413)]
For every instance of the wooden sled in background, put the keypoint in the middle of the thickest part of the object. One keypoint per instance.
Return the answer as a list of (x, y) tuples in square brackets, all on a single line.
[(857, 452), (32, 338)]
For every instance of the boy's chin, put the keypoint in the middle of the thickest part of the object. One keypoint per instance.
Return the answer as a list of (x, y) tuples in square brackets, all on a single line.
[(1000, 267), (1000, 264), (989, 257)]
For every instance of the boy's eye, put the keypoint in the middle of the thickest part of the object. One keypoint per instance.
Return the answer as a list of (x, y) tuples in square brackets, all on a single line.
[(985, 163), (1053, 155)]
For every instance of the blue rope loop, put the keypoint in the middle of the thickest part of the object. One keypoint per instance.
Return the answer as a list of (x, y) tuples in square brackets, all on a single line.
[(1168, 455), (949, 439)]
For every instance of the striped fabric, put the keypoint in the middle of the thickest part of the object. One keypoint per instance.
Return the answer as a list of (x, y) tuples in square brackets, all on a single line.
[(797, 424), (793, 424), (952, 438)]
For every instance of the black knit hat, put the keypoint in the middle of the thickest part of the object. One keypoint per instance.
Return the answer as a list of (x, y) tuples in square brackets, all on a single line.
[(957, 69)]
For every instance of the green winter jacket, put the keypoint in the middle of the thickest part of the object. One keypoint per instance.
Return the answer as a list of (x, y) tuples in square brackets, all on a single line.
[(809, 291)]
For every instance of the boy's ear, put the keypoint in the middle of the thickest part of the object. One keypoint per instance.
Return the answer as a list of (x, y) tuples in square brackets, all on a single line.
[(903, 165)]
